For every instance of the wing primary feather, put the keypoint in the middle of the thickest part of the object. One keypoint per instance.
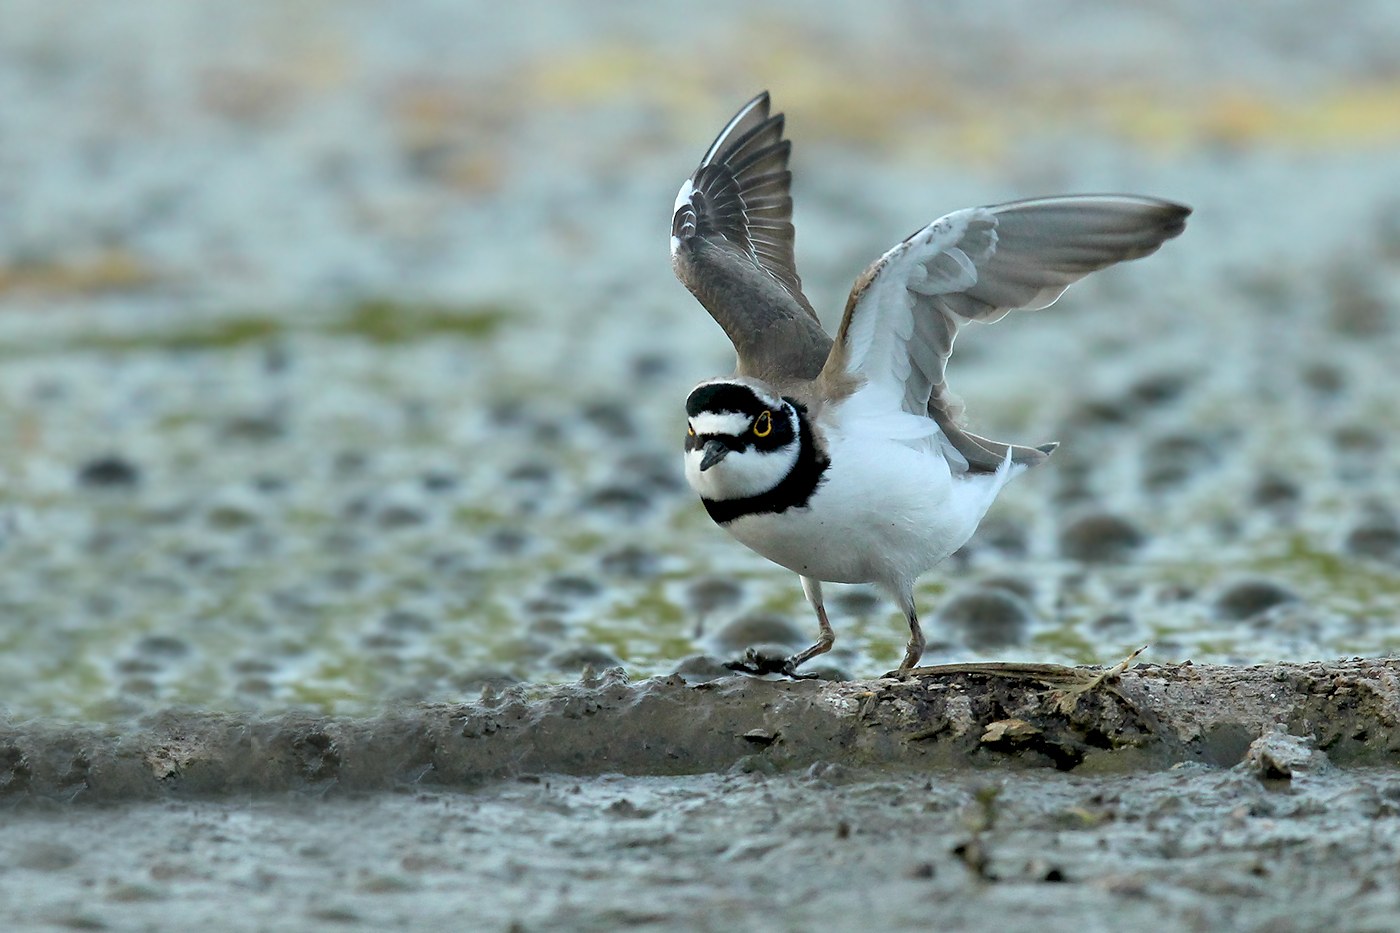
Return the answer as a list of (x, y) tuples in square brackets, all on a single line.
[(732, 246), (977, 265)]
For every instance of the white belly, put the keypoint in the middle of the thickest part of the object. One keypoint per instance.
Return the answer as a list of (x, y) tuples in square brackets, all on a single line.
[(885, 514)]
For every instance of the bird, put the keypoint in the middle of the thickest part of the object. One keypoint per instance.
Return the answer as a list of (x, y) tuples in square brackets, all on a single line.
[(846, 459)]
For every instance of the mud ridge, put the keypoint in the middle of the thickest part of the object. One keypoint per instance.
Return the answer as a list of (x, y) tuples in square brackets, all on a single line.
[(956, 716)]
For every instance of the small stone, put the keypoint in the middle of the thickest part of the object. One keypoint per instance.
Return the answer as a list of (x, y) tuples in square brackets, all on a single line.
[(709, 594), (631, 563), (162, 646), (573, 588), (384, 884), (255, 686), (1358, 440), (1249, 598), (439, 481), (47, 856), (259, 428), (1278, 756), (402, 620), (533, 472), (401, 516), (1005, 535), (625, 501), (613, 418), (110, 472), (627, 810), (1019, 586), (548, 627), (1170, 461), (1377, 536), (859, 601), (1101, 538), (1112, 624), (988, 618), (508, 541), (1325, 379), (576, 659), (1159, 389), (1275, 492), (827, 672), (655, 471), (701, 668), (477, 678), (758, 628), (524, 649), (1358, 308)]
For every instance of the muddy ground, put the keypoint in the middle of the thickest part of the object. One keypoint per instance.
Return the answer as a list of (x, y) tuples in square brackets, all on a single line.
[(1165, 798), (340, 369)]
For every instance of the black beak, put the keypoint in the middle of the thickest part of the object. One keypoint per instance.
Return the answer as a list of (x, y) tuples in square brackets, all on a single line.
[(715, 451)]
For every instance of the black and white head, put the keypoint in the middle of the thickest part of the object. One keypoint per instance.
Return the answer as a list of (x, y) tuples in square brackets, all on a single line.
[(743, 440)]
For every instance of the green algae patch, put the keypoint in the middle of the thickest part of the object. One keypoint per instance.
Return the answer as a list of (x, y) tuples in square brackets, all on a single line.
[(385, 321), (380, 321)]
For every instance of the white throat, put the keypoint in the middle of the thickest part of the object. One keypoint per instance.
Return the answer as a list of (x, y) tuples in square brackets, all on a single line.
[(741, 474)]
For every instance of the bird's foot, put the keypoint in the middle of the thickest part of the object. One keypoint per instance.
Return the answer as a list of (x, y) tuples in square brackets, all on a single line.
[(758, 663)]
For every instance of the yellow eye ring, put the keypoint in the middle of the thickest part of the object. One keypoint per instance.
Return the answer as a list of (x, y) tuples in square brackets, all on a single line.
[(763, 425), (691, 430)]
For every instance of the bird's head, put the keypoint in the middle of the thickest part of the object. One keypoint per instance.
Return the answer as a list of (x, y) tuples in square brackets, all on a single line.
[(743, 438)]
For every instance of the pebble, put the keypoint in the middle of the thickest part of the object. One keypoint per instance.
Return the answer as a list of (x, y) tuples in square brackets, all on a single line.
[(1273, 491), (1006, 535), (631, 562), (110, 472), (402, 620), (857, 601), (988, 618), (1101, 538), (1249, 598), (759, 628), (573, 588), (47, 856), (709, 594), (163, 646), (476, 678), (702, 668), (576, 659), (1170, 461), (624, 501), (1377, 537)]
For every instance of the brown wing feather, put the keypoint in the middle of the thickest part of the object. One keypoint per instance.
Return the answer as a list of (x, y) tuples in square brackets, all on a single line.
[(731, 245)]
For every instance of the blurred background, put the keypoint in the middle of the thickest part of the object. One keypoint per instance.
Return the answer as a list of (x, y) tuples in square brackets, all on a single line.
[(341, 363)]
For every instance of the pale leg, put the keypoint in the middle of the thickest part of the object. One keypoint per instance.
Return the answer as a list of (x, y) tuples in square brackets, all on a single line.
[(915, 648), (813, 590)]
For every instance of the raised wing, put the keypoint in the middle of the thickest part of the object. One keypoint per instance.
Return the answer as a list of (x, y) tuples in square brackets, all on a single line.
[(976, 265), (731, 245)]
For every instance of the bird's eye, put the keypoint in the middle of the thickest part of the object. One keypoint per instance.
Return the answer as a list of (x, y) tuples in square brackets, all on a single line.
[(691, 429), (763, 425)]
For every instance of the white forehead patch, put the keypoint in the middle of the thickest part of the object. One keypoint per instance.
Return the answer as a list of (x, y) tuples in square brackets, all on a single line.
[(728, 422)]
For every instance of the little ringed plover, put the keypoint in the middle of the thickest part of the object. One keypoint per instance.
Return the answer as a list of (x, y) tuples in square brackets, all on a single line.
[(846, 460)]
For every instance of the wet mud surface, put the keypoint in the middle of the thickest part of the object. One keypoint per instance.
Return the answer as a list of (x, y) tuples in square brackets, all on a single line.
[(340, 370), (1081, 720), (1192, 848)]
